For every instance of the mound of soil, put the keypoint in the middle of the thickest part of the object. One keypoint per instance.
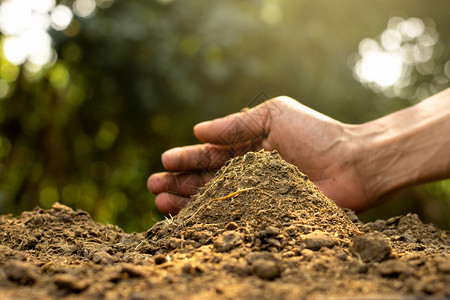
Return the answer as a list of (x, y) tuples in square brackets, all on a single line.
[(259, 230)]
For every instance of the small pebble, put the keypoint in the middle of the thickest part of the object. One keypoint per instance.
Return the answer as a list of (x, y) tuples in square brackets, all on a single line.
[(228, 241), (102, 258), (372, 247), (318, 239), (232, 226), (265, 269), (378, 225), (70, 282)]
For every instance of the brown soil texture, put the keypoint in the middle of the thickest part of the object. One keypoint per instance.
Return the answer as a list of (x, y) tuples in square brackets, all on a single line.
[(259, 230)]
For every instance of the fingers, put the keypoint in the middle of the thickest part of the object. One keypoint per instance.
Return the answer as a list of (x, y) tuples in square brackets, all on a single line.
[(174, 190), (204, 157), (185, 184), (170, 204), (195, 157), (237, 128), (224, 138)]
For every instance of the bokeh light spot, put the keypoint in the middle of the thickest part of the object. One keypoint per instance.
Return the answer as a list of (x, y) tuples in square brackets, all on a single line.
[(8, 71), (411, 28), (48, 196), (14, 48), (4, 88), (84, 8), (106, 135), (104, 3), (59, 76), (271, 13), (447, 69), (61, 17), (39, 45)]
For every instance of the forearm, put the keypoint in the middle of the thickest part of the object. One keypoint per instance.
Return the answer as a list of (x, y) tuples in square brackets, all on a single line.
[(406, 148)]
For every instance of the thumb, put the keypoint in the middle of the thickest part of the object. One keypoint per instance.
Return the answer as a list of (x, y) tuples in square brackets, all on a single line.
[(237, 128)]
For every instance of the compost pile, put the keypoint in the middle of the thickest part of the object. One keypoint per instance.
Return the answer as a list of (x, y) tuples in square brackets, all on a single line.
[(259, 230)]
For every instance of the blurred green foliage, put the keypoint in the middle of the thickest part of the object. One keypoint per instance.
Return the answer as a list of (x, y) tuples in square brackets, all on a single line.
[(131, 81)]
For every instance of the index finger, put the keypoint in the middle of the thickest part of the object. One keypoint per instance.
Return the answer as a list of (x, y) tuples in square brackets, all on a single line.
[(237, 128), (203, 157)]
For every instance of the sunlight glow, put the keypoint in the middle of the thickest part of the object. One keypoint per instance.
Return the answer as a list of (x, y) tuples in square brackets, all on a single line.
[(14, 49), (387, 62), (14, 16), (42, 6), (17, 49), (41, 52), (25, 25), (381, 67)]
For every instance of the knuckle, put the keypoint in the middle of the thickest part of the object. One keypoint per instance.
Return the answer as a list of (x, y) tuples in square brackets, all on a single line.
[(283, 100)]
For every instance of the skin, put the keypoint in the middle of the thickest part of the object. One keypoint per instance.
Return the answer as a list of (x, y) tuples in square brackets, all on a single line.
[(357, 166)]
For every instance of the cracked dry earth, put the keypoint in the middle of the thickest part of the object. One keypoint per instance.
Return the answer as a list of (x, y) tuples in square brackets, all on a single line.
[(259, 230)]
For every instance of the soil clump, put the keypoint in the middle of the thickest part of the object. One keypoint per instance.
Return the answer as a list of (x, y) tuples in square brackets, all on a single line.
[(259, 230)]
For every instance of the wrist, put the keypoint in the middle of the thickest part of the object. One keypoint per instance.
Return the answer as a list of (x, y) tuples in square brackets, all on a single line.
[(379, 158), (405, 148)]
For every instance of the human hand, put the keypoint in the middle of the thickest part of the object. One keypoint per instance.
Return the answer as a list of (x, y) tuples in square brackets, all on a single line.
[(319, 146)]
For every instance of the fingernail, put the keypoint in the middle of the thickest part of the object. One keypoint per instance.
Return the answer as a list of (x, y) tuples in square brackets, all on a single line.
[(170, 152), (206, 123)]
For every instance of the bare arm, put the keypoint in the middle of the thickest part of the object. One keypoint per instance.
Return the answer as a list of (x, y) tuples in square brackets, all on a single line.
[(405, 148)]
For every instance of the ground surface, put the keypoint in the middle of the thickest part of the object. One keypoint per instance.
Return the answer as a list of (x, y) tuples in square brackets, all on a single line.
[(259, 230)]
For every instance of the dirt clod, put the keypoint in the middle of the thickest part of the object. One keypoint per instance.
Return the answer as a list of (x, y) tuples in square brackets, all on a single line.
[(231, 226), (372, 247), (265, 269), (71, 283), (228, 241), (102, 257), (318, 239), (21, 272), (393, 268)]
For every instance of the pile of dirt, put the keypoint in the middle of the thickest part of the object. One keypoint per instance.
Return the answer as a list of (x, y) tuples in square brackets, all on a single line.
[(257, 190), (259, 230)]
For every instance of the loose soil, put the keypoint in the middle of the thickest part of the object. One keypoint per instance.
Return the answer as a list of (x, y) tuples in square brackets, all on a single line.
[(259, 230)]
